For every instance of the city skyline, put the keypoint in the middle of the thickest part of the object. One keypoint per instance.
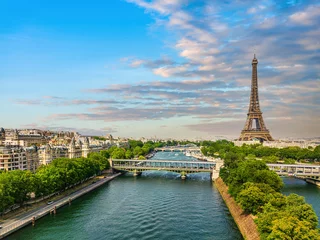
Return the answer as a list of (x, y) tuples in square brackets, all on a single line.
[(179, 69)]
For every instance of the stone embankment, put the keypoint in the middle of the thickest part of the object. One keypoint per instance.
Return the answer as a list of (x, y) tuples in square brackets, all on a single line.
[(31, 217), (244, 221), (313, 181)]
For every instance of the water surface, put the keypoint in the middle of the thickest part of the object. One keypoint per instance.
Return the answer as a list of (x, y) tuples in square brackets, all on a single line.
[(156, 205)]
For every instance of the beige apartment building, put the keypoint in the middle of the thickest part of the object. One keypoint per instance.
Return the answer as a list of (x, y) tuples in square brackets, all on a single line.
[(15, 138), (13, 158), (30, 158)]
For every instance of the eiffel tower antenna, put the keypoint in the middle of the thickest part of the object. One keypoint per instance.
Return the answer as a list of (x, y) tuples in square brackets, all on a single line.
[(255, 127)]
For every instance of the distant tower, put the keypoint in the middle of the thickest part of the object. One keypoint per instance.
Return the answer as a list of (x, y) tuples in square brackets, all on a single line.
[(79, 143), (15, 135), (47, 155), (2, 135), (255, 127), (72, 148), (85, 148)]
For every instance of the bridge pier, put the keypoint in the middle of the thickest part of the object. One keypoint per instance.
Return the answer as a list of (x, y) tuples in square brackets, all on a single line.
[(214, 175), (216, 172), (136, 173), (183, 175)]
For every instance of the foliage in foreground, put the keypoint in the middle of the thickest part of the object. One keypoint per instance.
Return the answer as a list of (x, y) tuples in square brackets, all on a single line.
[(257, 190), (62, 173)]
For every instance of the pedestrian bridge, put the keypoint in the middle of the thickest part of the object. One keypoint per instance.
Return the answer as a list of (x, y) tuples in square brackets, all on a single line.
[(299, 170), (182, 167)]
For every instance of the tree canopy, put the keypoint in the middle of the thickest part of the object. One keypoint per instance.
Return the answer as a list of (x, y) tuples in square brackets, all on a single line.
[(257, 190), (16, 186)]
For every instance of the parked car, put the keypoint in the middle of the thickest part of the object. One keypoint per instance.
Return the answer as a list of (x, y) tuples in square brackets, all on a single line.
[(50, 202)]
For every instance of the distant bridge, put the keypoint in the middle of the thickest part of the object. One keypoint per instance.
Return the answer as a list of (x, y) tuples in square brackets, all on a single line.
[(182, 167), (298, 170), (177, 149)]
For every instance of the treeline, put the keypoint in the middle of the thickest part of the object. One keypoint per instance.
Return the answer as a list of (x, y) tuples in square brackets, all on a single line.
[(269, 155), (257, 190), (138, 149), (17, 186)]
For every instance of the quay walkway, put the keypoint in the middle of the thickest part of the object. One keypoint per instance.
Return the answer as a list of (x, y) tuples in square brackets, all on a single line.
[(31, 217)]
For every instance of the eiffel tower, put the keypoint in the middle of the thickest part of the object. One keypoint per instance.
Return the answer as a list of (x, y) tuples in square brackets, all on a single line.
[(255, 127)]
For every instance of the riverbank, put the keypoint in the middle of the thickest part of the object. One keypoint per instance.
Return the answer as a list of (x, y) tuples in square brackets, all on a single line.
[(313, 181), (202, 157), (244, 221), (31, 216)]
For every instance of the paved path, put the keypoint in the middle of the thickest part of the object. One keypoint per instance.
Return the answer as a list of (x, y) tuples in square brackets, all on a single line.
[(26, 218)]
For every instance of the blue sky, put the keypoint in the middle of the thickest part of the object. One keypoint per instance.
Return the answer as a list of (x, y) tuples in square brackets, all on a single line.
[(169, 68)]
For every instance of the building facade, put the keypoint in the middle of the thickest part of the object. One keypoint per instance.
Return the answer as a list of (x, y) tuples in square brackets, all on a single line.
[(30, 158), (13, 158), (16, 138)]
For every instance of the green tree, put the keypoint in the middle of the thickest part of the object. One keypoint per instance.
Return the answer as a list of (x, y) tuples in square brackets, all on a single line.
[(118, 153), (292, 228), (252, 199), (22, 184), (129, 154), (137, 151)]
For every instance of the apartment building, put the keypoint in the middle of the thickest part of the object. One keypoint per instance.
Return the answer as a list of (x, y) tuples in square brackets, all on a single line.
[(13, 158)]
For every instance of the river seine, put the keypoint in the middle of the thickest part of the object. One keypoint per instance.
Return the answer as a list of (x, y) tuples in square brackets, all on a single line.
[(156, 205)]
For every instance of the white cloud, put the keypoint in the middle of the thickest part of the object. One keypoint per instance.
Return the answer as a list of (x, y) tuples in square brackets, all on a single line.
[(161, 6), (137, 63), (306, 17), (169, 71)]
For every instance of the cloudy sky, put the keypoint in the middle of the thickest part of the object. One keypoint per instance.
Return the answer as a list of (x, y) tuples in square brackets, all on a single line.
[(164, 68)]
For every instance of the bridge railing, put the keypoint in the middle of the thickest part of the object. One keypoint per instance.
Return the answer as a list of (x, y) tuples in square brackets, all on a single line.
[(162, 164), (295, 169)]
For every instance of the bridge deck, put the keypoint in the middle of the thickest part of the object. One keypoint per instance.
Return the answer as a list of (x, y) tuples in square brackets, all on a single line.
[(163, 165), (296, 169), (163, 161)]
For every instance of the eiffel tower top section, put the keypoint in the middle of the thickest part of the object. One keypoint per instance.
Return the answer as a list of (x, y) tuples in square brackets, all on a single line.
[(254, 97)]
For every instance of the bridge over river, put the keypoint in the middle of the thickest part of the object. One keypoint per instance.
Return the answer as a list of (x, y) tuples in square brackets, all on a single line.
[(182, 167), (298, 170), (178, 149), (135, 166)]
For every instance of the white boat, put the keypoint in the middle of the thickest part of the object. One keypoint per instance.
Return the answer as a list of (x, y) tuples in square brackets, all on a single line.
[(188, 154)]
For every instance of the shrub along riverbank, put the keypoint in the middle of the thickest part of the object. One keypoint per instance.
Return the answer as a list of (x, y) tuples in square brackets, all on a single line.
[(257, 190)]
